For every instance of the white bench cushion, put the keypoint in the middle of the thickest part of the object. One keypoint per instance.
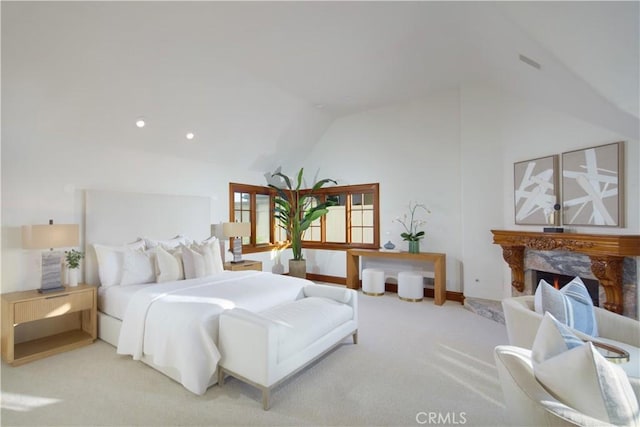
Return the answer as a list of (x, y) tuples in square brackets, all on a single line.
[(302, 322)]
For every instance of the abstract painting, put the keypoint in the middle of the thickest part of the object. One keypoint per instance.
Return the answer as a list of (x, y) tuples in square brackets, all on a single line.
[(536, 198), (592, 186)]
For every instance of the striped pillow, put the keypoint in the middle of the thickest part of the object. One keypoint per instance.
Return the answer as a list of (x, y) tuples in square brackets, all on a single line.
[(571, 305)]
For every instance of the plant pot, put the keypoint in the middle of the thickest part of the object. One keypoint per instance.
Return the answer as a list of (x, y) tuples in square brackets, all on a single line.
[(298, 268), (73, 277), (414, 246)]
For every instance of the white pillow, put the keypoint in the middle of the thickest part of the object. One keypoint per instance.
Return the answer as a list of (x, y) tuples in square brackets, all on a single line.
[(169, 243), (571, 305), (138, 267), (580, 377), (202, 260), (169, 266), (194, 263), (110, 261), (214, 244)]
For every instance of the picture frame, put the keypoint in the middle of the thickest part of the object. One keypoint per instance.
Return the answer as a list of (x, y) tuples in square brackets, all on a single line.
[(536, 199), (593, 186)]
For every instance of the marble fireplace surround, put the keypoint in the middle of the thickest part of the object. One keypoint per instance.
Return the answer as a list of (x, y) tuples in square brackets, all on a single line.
[(606, 253)]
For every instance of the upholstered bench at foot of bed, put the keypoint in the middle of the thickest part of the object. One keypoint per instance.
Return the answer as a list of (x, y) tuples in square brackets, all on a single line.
[(263, 349)]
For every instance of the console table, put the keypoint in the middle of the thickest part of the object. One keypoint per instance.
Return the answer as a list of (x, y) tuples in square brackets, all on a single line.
[(438, 260)]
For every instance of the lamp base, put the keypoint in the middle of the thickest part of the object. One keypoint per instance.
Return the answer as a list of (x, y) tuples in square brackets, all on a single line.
[(51, 271), (237, 262), (237, 251)]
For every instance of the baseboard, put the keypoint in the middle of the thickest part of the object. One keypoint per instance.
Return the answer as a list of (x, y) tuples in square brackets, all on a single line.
[(388, 287), (328, 279)]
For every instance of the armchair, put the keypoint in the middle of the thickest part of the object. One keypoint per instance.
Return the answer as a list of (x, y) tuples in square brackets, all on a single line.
[(527, 402), (522, 322)]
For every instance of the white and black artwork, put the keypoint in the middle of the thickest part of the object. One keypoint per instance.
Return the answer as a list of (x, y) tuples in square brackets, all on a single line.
[(536, 198), (592, 186)]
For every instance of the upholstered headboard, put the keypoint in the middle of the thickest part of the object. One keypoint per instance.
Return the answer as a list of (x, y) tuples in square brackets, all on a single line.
[(115, 218)]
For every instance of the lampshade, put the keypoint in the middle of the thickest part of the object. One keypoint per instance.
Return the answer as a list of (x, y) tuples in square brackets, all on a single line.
[(236, 229), (217, 230), (48, 236)]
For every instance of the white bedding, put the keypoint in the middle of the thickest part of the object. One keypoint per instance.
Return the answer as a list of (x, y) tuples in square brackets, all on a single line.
[(113, 300), (175, 324)]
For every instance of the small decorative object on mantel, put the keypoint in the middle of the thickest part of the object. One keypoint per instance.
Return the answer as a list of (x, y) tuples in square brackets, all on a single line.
[(411, 225), (73, 258), (553, 218), (389, 245)]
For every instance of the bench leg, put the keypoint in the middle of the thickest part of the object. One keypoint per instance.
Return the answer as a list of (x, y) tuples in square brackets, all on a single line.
[(265, 398), (355, 337), (220, 376)]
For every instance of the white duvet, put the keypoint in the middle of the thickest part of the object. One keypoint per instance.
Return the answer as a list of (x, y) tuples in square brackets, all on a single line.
[(175, 324)]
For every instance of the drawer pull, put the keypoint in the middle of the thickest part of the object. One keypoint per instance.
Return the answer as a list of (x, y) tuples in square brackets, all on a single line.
[(57, 296)]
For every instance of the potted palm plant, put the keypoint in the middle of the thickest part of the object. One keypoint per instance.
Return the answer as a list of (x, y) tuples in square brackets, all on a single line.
[(295, 210)]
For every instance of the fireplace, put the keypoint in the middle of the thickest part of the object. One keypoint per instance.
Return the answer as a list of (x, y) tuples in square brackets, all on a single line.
[(609, 260), (558, 281)]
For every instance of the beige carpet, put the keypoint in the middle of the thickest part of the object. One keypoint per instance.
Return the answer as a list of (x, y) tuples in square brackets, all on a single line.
[(413, 360)]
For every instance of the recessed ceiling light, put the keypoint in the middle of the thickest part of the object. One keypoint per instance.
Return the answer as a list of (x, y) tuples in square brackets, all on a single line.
[(140, 122), (190, 135)]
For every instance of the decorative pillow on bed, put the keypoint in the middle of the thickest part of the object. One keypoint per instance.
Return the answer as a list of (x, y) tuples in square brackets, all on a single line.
[(138, 267), (110, 261), (169, 265), (580, 377), (169, 243), (571, 305), (202, 260)]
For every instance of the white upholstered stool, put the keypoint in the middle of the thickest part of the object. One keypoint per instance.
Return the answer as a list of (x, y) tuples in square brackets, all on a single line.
[(373, 282), (410, 287)]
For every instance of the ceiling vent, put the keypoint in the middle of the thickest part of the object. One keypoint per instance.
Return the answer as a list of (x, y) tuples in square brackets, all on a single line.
[(530, 62)]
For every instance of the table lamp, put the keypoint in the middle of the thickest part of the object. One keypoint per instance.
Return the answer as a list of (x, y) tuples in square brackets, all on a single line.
[(236, 230), (43, 236)]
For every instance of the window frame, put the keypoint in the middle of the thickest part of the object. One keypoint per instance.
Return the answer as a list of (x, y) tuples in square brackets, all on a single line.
[(322, 193)]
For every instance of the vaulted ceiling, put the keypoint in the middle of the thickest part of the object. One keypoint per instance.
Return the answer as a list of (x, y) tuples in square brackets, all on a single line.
[(269, 75)]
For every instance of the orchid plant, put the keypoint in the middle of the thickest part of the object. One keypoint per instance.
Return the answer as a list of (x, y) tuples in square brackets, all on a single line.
[(411, 224)]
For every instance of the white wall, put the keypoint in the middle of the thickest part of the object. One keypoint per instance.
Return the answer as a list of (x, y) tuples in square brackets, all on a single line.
[(499, 130), (455, 152), (413, 151)]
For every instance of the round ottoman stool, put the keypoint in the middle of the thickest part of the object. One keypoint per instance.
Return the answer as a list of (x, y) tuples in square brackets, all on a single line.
[(373, 282), (410, 286)]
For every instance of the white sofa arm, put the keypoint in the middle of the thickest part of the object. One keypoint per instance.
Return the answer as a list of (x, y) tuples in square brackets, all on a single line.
[(521, 320), (336, 293), (617, 327), (248, 343)]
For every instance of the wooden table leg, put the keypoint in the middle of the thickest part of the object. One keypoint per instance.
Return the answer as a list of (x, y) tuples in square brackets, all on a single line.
[(440, 281), (353, 273)]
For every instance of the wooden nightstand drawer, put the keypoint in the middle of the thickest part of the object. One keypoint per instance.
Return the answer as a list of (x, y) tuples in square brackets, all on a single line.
[(51, 306), (244, 265)]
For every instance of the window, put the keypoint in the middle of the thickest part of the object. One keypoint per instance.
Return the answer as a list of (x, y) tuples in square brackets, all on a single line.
[(353, 222), (250, 203)]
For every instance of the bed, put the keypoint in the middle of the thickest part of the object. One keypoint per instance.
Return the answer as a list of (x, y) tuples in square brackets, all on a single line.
[(171, 326)]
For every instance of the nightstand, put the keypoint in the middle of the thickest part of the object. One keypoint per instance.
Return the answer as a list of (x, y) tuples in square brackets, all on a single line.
[(244, 265), (77, 304)]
